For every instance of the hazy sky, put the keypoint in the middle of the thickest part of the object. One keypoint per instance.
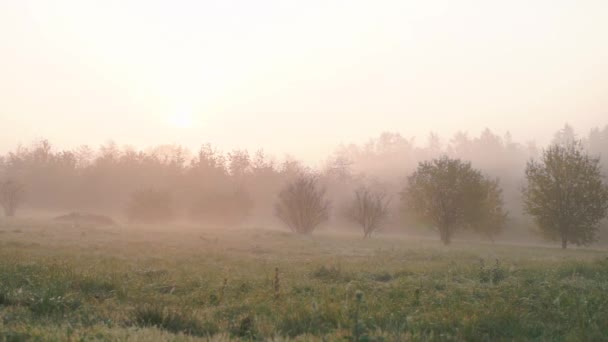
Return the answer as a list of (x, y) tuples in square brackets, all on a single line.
[(297, 76)]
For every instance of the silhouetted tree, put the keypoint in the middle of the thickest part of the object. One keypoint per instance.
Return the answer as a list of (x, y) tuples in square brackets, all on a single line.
[(368, 209), (449, 194), (339, 167), (11, 196), (565, 194), (302, 205), (565, 136), (239, 163), (150, 206)]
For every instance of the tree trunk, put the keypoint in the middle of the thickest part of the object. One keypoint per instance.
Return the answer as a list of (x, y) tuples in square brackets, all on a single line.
[(564, 242), (444, 232), (9, 211)]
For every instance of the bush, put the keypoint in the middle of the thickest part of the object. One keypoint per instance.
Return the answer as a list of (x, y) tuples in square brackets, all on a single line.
[(302, 205), (369, 209)]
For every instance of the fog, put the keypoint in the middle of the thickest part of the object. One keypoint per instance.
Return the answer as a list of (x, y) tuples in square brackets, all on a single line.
[(290, 170), (214, 106), (239, 188)]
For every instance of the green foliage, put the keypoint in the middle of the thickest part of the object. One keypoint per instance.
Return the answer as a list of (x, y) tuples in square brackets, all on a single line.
[(310, 318), (415, 291), (171, 320), (566, 194), (47, 304), (491, 218), (94, 287), (331, 274), (244, 327), (449, 194), (492, 275), (382, 277)]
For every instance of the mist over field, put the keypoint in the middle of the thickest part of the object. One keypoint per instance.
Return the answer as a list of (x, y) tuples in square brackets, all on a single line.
[(319, 170), (239, 188)]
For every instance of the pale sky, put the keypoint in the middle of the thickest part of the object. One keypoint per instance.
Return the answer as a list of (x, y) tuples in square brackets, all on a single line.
[(297, 77)]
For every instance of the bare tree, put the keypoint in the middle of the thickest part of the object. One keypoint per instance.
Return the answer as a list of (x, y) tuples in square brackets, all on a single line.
[(302, 205), (368, 209), (11, 196)]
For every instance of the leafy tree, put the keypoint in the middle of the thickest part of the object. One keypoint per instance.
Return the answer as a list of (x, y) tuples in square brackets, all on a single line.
[(449, 194), (302, 205), (11, 196), (566, 194), (492, 217), (368, 209)]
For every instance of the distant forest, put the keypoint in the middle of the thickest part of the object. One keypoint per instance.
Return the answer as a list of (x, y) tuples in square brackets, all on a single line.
[(240, 187)]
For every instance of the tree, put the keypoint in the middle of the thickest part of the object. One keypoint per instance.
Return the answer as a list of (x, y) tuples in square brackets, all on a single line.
[(492, 217), (11, 196), (150, 206), (239, 163), (302, 205), (565, 136), (368, 209), (566, 194), (449, 194)]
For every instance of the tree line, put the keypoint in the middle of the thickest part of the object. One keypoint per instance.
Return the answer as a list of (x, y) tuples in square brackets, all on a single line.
[(466, 183)]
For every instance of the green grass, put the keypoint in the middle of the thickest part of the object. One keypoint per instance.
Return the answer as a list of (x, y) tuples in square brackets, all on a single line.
[(144, 283)]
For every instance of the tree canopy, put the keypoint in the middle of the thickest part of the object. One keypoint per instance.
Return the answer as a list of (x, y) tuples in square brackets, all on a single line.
[(302, 205), (566, 194), (450, 194)]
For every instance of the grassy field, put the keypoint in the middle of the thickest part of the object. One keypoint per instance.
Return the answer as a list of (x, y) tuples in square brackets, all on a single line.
[(144, 283)]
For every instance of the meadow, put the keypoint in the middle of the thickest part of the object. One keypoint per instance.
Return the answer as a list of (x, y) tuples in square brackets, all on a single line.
[(64, 282)]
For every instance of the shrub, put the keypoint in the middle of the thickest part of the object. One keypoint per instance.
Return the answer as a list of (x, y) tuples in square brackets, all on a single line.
[(302, 205), (369, 209)]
